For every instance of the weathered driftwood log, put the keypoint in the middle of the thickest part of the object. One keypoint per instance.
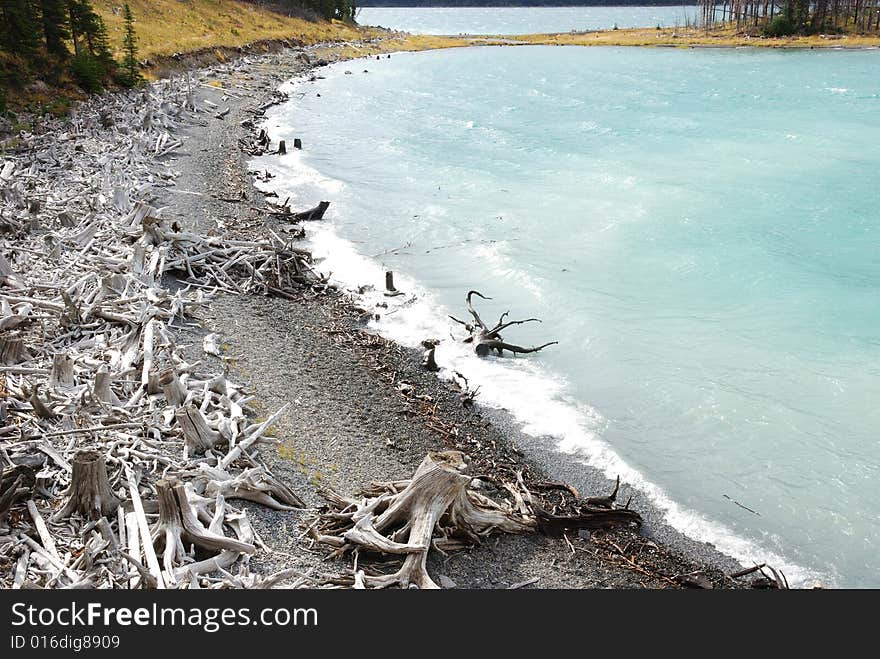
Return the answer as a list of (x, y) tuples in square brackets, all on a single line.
[(89, 494), (196, 433), (486, 339), (178, 524), (316, 213), (436, 507)]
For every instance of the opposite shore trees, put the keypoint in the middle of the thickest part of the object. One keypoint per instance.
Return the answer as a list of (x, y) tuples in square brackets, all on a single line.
[(777, 18)]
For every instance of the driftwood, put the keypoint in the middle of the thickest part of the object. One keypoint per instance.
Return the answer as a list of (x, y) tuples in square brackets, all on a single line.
[(178, 523), (90, 494), (197, 435), (316, 213), (16, 484), (97, 400), (485, 339), (435, 508)]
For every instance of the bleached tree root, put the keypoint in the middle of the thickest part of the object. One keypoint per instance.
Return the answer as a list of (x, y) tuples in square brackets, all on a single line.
[(178, 524), (254, 484), (435, 507), (487, 339), (89, 494)]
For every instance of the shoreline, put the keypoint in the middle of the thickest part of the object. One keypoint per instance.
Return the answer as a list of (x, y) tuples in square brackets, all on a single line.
[(538, 454), (570, 468), (350, 421)]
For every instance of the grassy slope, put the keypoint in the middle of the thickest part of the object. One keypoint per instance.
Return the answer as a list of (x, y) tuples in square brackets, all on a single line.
[(165, 27)]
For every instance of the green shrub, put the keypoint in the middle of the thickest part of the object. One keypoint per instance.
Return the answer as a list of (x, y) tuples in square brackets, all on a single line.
[(780, 26), (88, 72)]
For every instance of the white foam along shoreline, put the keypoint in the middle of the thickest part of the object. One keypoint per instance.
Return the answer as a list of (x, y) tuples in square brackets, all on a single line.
[(536, 399)]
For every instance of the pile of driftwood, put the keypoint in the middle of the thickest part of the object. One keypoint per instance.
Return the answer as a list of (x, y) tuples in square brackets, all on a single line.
[(443, 508), (119, 458)]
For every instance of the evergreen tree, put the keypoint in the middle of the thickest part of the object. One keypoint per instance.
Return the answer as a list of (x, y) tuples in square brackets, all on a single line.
[(19, 28), (132, 76), (87, 29), (55, 30)]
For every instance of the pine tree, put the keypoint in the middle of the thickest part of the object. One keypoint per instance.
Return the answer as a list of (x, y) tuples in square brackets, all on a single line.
[(132, 76), (87, 26), (19, 28), (55, 30)]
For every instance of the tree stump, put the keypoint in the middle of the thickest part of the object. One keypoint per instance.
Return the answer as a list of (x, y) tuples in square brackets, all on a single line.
[(101, 389), (61, 375), (175, 392), (12, 349), (435, 506), (197, 435), (89, 493), (178, 524)]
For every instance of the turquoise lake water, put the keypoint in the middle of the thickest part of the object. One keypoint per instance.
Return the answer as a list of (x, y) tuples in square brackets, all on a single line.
[(698, 229), (522, 20)]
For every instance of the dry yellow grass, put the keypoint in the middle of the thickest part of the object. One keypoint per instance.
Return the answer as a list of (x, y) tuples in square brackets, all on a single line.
[(690, 37), (165, 27)]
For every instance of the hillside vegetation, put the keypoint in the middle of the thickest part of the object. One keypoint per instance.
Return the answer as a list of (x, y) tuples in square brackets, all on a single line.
[(165, 27)]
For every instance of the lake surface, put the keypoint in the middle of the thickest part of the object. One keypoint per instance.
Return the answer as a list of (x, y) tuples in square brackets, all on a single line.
[(698, 229), (522, 20)]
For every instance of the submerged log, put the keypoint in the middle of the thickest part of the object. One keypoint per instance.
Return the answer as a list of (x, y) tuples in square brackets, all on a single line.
[(486, 339), (89, 494)]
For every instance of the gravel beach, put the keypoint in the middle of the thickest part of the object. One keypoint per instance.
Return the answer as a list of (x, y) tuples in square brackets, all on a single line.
[(350, 422)]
